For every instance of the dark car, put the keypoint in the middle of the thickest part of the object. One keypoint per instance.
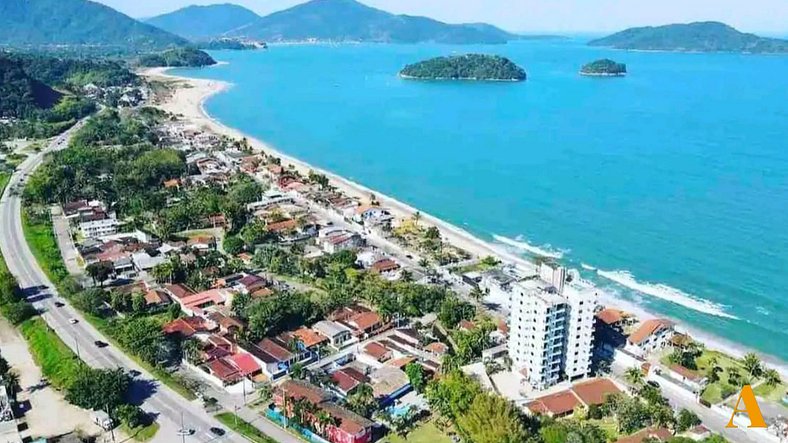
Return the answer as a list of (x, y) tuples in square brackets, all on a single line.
[(653, 384), (59, 304), (217, 431), (100, 344)]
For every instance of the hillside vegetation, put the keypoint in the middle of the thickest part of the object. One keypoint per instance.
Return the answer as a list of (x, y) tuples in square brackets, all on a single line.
[(698, 36), (180, 57), (76, 22), (349, 20), (465, 67)]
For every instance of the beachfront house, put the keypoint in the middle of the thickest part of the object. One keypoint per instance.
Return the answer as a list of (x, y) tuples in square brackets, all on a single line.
[(650, 336)]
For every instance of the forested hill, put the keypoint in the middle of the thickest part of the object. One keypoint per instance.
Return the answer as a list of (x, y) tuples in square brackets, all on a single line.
[(204, 22), (22, 96), (698, 36), (76, 22), (349, 20), (465, 67)]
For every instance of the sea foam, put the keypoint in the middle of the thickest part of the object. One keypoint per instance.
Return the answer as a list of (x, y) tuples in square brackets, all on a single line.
[(519, 243), (667, 293)]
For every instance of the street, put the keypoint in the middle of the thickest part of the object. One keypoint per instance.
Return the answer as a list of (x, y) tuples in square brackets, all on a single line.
[(168, 407)]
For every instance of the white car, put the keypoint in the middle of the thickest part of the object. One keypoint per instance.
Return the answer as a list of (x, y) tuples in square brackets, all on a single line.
[(182, 432), (73, 321)]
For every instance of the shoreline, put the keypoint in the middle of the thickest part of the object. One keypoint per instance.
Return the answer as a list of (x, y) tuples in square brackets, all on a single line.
[(190, 103)]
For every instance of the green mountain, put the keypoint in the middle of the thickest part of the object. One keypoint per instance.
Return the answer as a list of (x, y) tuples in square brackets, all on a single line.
[(76, 22), (204, 22), (349, 20), (465, 67), (698, 36), (22, 96)]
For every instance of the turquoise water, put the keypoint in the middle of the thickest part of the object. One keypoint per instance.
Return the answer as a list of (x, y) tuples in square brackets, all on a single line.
[(673, 181)]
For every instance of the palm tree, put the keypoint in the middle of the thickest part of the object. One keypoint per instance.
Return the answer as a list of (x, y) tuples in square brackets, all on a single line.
[(11, 381), (752, 364), (772, 377), (634, 376)]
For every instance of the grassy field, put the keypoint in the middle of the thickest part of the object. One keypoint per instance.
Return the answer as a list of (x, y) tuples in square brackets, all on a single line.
[(141, 433), (56, 360), (772, 393), (244, 428), (426, 433), (721, 389), (43, 245)]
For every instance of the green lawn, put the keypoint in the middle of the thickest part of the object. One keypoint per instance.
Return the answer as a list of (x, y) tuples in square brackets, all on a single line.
[(56, 360), (244, 428), (717, 391), (426, 433), (609, 426), (772, 393), (141, 433)]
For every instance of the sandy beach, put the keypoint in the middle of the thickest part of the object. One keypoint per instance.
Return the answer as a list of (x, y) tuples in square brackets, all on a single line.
[(188, 100)]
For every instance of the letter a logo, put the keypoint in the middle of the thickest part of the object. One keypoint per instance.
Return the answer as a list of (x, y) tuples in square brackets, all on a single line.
[(750, 407)]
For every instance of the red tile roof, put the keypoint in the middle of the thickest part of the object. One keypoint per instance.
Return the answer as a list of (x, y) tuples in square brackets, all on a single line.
[(344, 382), (610, 316), (349, 421), (281, 226), (156, 297), (466, 325), (214, 296), (385, 265), (309, 337), (377, 351), (559, 403), (594, 392), (297, 389), (365, 320), (179, 291), (437, 348), (649, 328), (245, 363), (274, 349), (186, 326), (660, 434), (223, 370)]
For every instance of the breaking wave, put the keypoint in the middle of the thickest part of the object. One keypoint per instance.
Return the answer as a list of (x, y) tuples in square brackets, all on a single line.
[(522, 245), (665, 292)]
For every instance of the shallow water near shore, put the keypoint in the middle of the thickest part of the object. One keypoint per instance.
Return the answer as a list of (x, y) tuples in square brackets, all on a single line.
[(667, 187)]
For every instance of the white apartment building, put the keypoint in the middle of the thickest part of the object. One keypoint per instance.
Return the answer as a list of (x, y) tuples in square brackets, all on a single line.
[(550, 329), (99, 228)]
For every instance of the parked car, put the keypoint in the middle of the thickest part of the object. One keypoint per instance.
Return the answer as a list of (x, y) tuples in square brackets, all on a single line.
[(59, 304), (100, 344), (217, 431)]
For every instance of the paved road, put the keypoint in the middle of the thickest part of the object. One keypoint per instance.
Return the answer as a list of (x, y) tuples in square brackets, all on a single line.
[(169, 407)]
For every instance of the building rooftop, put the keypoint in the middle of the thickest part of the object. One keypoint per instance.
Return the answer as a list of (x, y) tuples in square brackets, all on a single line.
[(649, 328)]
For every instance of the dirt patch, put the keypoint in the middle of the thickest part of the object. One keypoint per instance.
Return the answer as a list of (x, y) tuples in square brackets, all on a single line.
[(44, 411)]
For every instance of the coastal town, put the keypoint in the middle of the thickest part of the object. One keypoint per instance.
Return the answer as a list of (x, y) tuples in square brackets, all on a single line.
[(275, 297)]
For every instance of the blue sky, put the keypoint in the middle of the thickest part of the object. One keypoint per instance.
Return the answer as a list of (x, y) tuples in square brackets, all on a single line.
[(770, 16)]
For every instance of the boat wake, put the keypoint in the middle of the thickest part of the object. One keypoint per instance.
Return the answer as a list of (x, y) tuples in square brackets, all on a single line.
[(665, 292), (519, 243)]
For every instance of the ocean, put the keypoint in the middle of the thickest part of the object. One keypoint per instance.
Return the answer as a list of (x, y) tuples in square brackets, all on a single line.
[(667, 188)]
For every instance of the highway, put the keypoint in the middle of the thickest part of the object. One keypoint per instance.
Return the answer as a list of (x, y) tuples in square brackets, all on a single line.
[(169, 408)]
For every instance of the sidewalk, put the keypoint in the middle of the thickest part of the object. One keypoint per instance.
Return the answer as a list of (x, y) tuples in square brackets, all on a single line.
[(67, 248)]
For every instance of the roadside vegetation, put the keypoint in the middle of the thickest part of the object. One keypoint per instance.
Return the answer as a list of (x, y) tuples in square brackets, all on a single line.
[(244, 428)]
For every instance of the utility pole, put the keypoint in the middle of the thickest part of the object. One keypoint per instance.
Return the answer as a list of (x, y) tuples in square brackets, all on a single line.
[(183, 430)]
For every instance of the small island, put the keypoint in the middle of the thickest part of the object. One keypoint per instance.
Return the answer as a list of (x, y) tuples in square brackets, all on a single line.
[(465, 67), (604, 68)]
